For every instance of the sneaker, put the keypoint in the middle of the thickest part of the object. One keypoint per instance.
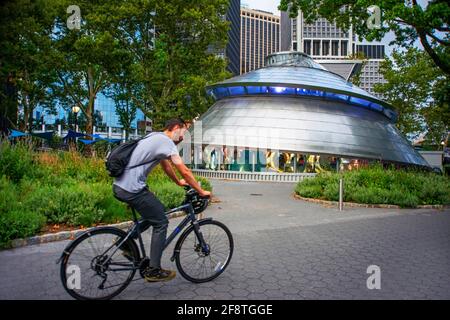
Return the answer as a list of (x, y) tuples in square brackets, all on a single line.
[(158, 275)]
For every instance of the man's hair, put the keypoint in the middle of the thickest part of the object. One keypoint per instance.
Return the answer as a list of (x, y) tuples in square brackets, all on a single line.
[(172, 123)]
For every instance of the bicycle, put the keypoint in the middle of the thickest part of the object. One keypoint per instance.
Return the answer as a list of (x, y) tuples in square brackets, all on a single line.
[(98, 257)]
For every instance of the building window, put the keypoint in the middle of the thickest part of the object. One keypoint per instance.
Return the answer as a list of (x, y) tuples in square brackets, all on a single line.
[(307, 47), (316, 48), (335, 48), (325, 48), (344, 48)]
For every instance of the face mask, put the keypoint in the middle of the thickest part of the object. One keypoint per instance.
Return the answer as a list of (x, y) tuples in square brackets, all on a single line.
[(178, 137)]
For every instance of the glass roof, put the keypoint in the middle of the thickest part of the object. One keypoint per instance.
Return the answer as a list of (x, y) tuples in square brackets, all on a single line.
[(304, 77), (292, 59), (297, 70)]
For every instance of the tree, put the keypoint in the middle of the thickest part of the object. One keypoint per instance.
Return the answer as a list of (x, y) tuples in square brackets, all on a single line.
[(437, 113), (406, 18), (169, 42), (122, 91), (25, 30), (419, 91), (84, 58)]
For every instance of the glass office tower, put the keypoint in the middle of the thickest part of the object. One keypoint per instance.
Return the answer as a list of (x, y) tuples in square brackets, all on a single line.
[(104, 107)]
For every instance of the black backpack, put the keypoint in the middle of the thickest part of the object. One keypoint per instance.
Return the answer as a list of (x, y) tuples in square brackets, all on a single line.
[(118, 158)]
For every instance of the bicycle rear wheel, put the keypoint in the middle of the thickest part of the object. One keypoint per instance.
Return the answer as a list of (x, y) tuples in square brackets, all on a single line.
[(197, 265), (92, 268)]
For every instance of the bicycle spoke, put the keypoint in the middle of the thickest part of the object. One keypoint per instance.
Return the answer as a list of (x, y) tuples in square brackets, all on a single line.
[(195, 262), (101, 274)]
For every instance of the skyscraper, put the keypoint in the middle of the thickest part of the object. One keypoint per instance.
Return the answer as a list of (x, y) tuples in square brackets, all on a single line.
[(260, 36), (370, 74), (320, 39), (232, 50), (323, 41)]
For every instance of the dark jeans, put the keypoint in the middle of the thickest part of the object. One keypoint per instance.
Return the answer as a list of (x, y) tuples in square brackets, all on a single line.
[(152, 211)]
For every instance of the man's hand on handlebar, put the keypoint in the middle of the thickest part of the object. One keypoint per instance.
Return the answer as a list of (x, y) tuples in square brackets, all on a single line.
[(205, 194)]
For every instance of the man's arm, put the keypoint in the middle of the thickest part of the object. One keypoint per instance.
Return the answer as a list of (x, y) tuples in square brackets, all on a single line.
[(187, 175), (167, 167)]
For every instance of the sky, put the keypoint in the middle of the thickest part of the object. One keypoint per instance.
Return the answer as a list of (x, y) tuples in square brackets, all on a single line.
[(271, 6)]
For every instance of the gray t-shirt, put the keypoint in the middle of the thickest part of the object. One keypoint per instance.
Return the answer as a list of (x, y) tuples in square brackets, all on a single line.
[(154, 148)]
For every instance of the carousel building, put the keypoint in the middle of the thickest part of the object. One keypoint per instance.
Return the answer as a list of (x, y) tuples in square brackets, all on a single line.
[(295, 116)]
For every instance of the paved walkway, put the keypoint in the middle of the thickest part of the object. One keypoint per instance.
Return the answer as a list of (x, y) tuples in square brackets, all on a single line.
[(284, 249)]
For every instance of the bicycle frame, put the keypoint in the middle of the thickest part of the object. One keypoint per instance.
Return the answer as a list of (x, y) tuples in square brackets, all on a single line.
[(189, 218)]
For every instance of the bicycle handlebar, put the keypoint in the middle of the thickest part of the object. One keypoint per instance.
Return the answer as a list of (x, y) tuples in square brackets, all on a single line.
[(192, 191)]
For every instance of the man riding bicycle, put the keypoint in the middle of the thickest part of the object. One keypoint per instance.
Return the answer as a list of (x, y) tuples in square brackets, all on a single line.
[(131, 187)]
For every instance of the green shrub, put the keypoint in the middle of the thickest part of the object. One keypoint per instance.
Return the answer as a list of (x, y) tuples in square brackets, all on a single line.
[(64, 188), (74, 205), (377, 185), (310, 191), (8, 195), (16, 161), (331, 191), (115, 210), (19, 224), (168, 193), (16, 221), (206, 185)]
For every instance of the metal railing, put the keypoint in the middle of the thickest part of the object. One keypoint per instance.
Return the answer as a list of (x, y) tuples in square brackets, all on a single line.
[(253, 176), (111, 132)]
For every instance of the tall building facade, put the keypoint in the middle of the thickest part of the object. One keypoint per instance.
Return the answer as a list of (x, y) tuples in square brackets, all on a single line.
[(232, 50), (320, 39), (370, 74), (323, 40), (260, 37)]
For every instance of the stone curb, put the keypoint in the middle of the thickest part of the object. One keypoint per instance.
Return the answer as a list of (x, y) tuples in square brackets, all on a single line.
[(363, 205), (70, 235)]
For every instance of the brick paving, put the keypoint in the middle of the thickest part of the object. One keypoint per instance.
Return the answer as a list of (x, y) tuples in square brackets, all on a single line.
[(284, 249)]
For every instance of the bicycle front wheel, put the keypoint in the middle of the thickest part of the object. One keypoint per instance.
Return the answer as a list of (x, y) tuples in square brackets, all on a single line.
[(94, 267), (197, 264)]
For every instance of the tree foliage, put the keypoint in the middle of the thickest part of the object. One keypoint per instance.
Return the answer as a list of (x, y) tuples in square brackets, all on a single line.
[(153, 55), (408, 19), (420, 93), (84, 59), (25, 28), (170, 43)]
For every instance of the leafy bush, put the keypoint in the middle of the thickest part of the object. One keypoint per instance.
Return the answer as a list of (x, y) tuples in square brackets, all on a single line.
[(74, 205), (64, 188), (16, 161), (310, 191), (168, 193), (15, 220), (19, 224), (377, 185)]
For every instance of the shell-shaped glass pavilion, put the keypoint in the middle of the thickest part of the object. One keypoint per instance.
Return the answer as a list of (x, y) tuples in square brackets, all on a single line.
[(295, 105)]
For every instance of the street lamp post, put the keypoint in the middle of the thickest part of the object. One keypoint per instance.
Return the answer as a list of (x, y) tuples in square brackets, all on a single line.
[(75, 110)]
